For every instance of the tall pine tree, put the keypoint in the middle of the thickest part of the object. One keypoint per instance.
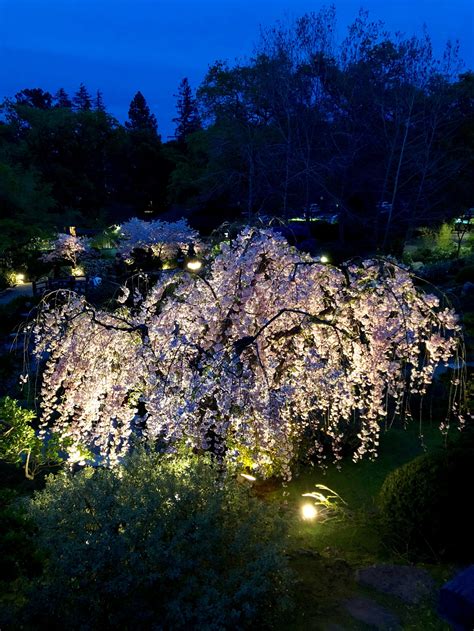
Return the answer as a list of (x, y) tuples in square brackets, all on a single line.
[(140, 117), (82, 99), (188, 120), (61, 99), (99, 104)]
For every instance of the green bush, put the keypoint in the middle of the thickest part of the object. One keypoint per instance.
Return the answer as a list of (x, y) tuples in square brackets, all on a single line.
[(425, 506), (20, 560), (21, 446), (156, 544), (7, 279), (18, 555)]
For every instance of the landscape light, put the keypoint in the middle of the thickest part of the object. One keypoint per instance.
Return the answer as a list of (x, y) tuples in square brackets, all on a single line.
[(309, 512), (194, 265), (19, 278), (324, 259), (248, 477), (77, 271)]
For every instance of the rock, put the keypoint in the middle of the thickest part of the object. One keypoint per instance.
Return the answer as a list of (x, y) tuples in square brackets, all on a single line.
[(456, 599), (410, 584), (371, 613)]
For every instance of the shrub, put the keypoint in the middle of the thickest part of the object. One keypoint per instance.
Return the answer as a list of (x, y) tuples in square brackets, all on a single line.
[(21, 446), (425, 506), (18, 555), (7, 279), (164, 543)]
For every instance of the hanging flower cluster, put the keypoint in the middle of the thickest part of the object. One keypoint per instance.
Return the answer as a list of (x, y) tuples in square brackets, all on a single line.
[(67, 247), (269, 346), (164, 238)]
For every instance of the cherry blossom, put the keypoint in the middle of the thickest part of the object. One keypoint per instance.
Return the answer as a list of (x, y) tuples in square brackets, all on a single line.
[(164, 238), (266, 347), (67, 247)]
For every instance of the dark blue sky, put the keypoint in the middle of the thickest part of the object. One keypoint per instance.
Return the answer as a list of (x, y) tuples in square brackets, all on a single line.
[(122, 46)]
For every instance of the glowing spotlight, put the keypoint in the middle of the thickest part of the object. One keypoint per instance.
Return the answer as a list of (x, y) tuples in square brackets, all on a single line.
[(77, 271), (309, 512), (19, 278), (324, 259), (194, 265), (248, 477)]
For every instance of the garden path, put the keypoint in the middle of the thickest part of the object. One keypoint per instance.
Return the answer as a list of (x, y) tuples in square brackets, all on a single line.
[(19, 291)]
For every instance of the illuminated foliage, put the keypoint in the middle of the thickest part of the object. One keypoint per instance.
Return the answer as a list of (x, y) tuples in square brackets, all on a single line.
[(163, 237), (160, 540), (20, 445), (268, 346), (68, 247)]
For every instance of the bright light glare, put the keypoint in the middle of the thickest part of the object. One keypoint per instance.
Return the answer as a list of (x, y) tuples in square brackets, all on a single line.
[(309, 512), (19, 279), (324, 259), (77, 271), (248, 477), (194, 265)]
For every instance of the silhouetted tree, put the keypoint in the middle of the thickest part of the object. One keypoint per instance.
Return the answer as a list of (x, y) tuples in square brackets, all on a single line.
[(34, 97), (99, 104), (140, 117), (62, 99), (82, 99), (188, 120)]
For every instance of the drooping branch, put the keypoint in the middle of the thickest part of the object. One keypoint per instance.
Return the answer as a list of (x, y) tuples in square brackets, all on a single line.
[(241, 344), (334, 349)]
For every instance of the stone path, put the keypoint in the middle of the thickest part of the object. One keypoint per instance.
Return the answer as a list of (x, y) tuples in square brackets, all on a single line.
[(25, 290), (371, 613), (409, 584)]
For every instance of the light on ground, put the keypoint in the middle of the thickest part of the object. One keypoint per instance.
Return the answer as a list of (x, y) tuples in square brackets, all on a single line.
[(309, 512)]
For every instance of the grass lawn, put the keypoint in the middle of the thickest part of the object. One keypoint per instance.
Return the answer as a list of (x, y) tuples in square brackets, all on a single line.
[(324, 556)]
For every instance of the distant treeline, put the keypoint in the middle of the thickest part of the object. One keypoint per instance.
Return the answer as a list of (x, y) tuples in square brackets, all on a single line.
[(374, 128)]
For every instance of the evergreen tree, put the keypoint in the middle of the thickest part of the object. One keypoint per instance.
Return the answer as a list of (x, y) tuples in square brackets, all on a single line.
[(188, 120), (99, 104), (34, 97), (139, 116), (62, 99), (82, 99)]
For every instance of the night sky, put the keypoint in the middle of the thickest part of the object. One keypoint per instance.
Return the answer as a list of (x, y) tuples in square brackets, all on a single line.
[(121, 46)]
